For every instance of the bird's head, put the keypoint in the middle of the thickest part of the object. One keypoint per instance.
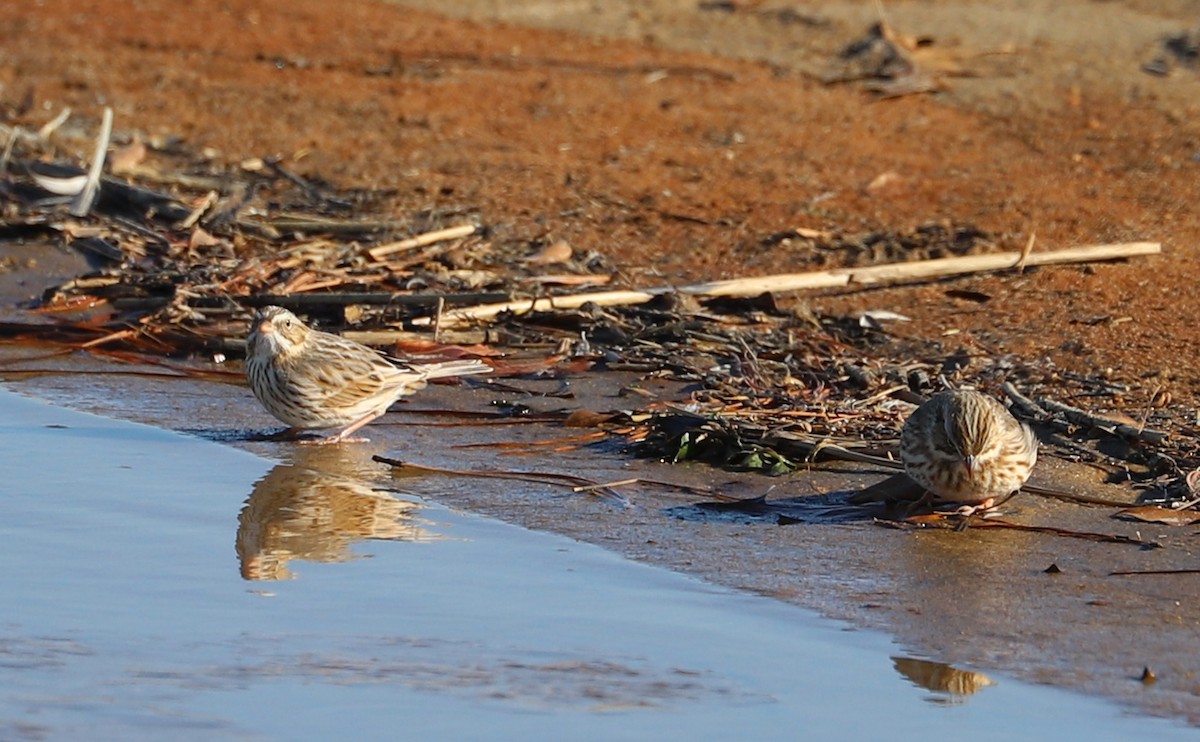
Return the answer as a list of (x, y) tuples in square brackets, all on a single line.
[(973, 432), (276, 331)]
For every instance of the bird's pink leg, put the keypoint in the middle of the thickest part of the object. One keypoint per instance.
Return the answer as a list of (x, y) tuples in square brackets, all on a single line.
[(343, 436), (289, 434)]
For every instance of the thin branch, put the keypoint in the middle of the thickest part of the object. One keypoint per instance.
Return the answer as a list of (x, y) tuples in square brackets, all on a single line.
[(1025, 404), (915, 270), (373, 298), (1088, 419)]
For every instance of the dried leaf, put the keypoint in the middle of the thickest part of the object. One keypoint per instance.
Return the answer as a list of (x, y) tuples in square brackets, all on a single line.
[(522, 368), (125, 159), (558, 251), (587, 419), (61, 186), (441, 350), (883, 180), (201, 238), (1153, 514), (472, 279), (1193, 481), (872, 317), (100, 247), (976, 296)]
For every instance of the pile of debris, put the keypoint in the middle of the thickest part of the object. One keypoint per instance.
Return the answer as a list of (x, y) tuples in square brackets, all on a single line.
[(183, 247)]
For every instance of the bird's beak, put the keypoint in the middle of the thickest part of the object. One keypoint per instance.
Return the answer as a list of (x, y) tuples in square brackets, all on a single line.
[(972, 466), (266, 327)]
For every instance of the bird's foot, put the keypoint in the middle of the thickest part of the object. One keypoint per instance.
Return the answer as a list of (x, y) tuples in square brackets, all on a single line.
[(966, 511), (333, 439), (923, 504)]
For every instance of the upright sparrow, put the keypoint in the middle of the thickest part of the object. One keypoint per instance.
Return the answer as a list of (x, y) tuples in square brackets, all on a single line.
[(965, 447), (313, 380)]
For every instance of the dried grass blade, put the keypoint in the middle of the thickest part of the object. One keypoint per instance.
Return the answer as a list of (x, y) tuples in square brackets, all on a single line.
[(82, 204)]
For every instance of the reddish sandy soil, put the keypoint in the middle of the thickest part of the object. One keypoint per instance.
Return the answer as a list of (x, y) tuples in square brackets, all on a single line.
[(681, 163)]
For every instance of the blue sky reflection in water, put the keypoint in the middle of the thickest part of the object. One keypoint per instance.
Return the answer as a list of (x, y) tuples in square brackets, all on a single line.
[(126, 616)]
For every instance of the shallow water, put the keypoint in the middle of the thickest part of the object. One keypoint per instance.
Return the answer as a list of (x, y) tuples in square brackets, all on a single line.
[(127, 616)]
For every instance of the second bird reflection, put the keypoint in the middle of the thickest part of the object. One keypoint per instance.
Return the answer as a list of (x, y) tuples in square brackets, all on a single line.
[(299, 513), (951, 684)]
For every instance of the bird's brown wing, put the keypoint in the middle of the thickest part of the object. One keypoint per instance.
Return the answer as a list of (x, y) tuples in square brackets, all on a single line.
[(342, 375), (896, 488)]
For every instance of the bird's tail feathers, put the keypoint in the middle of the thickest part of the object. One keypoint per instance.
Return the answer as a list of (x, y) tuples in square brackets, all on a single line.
[(454, 368)]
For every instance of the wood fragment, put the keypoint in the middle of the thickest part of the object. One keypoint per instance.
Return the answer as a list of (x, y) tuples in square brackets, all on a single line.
[(439, 310), (314, 224), (1025, 404), (379, 252), (1026, 251), (9, 143), (118, 335), (838, 277), (568, 279), (380, 338), (210, 199), (372, 298), (302, 183), (1088, 419)]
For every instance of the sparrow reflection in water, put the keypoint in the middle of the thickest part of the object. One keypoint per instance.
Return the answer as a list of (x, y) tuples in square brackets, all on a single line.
[(299, 513)]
